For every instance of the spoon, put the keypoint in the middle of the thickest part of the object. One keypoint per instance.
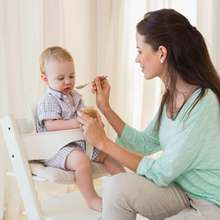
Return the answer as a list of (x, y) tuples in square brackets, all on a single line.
[(82, 86)]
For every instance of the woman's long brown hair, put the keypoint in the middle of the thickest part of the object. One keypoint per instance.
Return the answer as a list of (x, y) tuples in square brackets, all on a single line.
[(187, 54)]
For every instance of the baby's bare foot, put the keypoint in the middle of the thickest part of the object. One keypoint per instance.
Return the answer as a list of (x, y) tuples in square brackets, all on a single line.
[(95, 204)]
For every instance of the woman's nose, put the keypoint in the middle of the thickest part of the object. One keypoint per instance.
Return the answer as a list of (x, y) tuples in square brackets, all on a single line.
[(137, 60)]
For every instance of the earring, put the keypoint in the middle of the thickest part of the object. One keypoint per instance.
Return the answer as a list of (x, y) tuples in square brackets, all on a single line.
[(161, 61)]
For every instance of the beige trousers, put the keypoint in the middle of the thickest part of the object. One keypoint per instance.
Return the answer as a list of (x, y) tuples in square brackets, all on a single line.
[(127, 194)]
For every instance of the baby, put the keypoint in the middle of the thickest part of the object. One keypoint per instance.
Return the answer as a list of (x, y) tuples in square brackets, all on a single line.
[(57, 110)]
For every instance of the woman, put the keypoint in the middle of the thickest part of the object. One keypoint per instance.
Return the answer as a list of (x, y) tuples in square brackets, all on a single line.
[(184, 183)]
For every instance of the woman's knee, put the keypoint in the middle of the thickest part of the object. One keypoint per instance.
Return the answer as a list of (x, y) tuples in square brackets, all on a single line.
[(127, 188), (118, 193), (118, 186)]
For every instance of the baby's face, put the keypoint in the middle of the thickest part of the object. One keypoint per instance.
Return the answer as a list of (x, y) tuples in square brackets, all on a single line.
[(60, 75)]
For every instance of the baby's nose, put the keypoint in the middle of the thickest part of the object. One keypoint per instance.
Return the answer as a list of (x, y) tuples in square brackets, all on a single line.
[(68, 81)]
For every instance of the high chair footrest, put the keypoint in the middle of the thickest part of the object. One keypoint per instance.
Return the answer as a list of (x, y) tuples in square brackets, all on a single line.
[(70, 206)]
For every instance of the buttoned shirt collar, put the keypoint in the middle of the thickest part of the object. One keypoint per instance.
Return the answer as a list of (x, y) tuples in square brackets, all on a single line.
[(61, 96)]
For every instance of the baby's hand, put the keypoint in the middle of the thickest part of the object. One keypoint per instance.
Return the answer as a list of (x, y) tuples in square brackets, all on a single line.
[(76, 124)]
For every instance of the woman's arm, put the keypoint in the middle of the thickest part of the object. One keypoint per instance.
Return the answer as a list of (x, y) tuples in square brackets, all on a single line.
[(114, 120), (102, 90), (95, 134), (123, 156)]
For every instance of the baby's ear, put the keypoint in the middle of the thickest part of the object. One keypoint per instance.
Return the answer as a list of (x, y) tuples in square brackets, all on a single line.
[(44, 78)]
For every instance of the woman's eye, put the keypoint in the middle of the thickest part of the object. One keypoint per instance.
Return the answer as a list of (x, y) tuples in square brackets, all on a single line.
[(139, 52)]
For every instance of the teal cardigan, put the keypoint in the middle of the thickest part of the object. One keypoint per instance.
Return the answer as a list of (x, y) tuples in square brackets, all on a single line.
[(191, 148)]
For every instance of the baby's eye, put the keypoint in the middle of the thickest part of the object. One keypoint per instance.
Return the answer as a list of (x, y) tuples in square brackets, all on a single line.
[(71, 77), (60, 78)]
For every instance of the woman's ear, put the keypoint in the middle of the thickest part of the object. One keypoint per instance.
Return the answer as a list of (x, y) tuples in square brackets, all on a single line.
[(162, 51), (44, 78)]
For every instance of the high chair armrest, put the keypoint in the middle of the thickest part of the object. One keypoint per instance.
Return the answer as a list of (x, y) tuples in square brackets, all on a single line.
[(44, 145)]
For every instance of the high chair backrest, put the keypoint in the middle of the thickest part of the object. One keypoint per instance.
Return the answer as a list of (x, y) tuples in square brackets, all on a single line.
[(33, 112)]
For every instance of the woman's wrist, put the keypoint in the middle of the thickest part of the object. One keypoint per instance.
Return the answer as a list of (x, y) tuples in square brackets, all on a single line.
[(105, 110), (103, 144)]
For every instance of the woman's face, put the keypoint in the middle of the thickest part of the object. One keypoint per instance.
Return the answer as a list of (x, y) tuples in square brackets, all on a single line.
[(152, 63)]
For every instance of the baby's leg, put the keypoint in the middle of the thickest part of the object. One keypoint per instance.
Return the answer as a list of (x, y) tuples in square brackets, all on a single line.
[(79, 162), (112, 165)]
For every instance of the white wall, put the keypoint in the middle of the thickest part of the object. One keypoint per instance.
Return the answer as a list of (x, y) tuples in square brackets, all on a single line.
[(80, 40)]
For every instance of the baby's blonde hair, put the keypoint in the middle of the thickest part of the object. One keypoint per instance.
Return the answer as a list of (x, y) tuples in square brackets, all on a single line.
[(53, 53)]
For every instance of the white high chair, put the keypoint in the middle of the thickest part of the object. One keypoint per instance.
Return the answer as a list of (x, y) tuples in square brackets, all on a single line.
[(25, 145)]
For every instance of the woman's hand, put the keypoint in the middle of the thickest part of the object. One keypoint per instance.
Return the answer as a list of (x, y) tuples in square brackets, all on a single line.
[(93, 129), (102, 90), (95, 134)]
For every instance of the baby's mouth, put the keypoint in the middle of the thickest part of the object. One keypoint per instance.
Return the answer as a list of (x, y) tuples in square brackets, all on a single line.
[(67, 88)]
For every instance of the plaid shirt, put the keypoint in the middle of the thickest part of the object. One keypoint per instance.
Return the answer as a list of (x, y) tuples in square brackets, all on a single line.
[(55, 105)]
